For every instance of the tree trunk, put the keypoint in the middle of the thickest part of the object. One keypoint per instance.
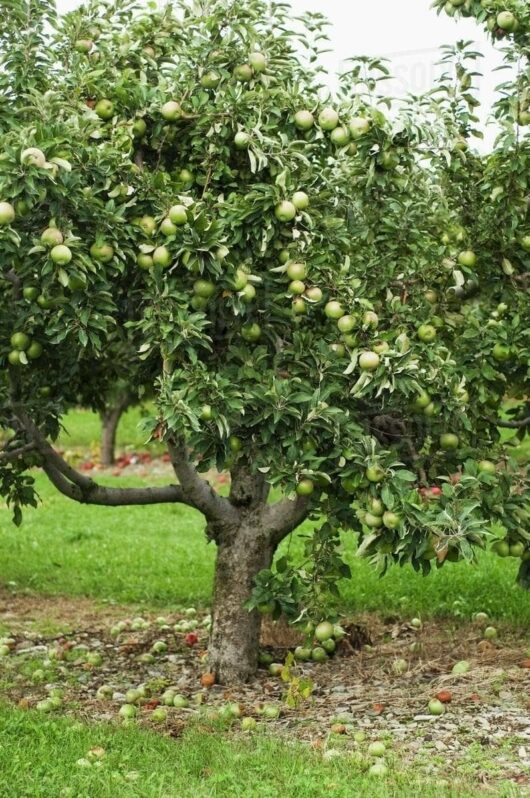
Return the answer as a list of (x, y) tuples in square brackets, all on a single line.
[(109, 427), (234, 641)]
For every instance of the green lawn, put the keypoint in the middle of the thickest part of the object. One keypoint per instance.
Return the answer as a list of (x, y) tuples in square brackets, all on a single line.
[(82, 428), (39, 759), (159, 556)]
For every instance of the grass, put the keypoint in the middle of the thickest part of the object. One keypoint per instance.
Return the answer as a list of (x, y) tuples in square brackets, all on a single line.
[(82, 429), (38, 759), (160, 556)]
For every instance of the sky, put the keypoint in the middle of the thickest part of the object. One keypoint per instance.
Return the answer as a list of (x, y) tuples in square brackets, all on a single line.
[(408, 32)]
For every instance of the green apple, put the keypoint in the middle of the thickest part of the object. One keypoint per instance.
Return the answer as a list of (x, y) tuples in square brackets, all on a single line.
[(178, 215), (30, 292), (171, 111), (296, 287), (328, 119), (258, 62), (487, 467), (507, 21), (340, 136), (333, 310), (7, 213), (104, 109), (302, 654), (21, 341), (370, 319), (369, 361), (391, 520), (373, 521), (501, 353), (296, 271), (375, 473), (300, 200), (314, 294), (210, 79), (61, 254), (347, 323), (147, 224), (167, 228), (102, 252), (305, 487), (285, 211), (304, 120), (204, 288), (324, 631), (161, 257), (436, 707), (318, 654), (144, 261), (449, 441), (377, 749), (241, 140), (139, 128), (359, 126), (427, 333), (248, 293), (251, 332), (128, 711), (467, 258), (51, 237), (34, 351), (243, 73)]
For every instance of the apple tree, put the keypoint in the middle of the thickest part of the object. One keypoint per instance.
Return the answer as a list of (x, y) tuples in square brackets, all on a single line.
[(178, 180), (490, 199)]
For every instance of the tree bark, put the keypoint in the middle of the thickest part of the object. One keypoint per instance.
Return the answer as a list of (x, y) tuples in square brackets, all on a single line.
[(234, 642), (110, 419)]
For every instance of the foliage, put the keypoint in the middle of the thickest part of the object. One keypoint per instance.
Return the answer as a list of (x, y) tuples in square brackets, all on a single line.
[(308, 293)]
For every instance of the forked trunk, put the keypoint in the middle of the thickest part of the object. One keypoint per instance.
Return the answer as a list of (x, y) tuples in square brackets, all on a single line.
[(234, 641)]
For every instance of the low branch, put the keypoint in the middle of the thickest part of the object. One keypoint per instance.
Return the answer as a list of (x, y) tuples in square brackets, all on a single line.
[(200, 493), (114, 497), (85, 490), (517, 424), (7, 455), (282, 517)]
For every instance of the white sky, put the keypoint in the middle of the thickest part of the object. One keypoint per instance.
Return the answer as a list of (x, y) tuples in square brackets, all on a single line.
[(407, 31)]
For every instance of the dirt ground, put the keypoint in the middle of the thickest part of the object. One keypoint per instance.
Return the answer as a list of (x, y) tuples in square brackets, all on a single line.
[(365, 688)]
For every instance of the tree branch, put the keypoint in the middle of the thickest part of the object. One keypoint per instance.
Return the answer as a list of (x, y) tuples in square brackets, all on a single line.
[(83, 489), (517, 424), (114, 497), (199, 492), (6, 455), (284, 516)]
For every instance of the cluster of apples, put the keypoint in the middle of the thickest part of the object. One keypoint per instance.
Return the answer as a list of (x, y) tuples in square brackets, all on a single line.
[(342, 134), (172, 111), (321, 643), (23, 349), (152, 255)]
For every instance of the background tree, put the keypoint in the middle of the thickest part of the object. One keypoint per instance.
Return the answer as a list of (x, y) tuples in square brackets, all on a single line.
[(276, 250)]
